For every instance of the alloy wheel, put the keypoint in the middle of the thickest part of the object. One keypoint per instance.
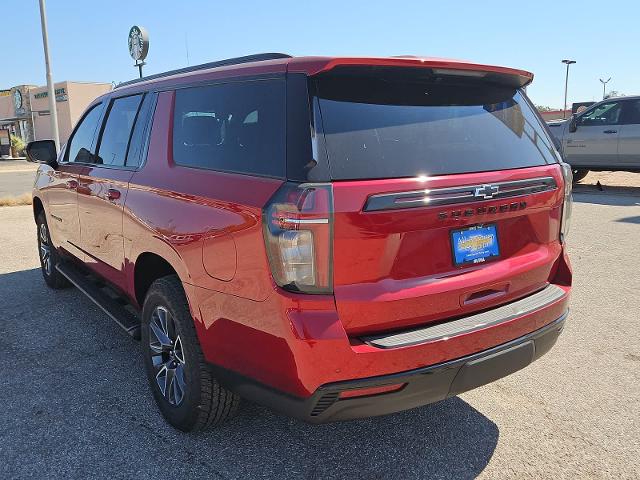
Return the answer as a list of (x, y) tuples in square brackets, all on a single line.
[(167, 355), (45, 248)]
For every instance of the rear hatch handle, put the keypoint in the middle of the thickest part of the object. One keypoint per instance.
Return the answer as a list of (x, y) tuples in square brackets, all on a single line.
[(484, 295)]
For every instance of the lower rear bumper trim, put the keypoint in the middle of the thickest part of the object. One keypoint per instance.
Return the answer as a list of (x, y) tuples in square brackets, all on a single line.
[(422, 386)]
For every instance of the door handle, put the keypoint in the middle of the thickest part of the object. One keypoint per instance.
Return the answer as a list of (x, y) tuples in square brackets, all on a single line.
[(71, 184), (113, 194), (610, 131)]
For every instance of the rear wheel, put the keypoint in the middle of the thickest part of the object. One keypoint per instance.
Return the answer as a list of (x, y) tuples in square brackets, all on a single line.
[(579, 174), (49, 256), (187, 394)]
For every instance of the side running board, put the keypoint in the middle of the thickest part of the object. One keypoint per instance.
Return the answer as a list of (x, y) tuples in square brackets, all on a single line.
[(103, 296), (504, 313)]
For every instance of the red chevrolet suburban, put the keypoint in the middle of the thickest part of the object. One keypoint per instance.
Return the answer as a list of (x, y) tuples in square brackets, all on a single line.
[(331, 237)]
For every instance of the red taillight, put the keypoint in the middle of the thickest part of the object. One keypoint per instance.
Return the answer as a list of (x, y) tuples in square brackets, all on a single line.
[(297, 231), (363, 392)]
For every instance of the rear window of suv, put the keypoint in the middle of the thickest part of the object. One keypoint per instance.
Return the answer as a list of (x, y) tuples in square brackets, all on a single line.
[(398, 126), (232, 127)]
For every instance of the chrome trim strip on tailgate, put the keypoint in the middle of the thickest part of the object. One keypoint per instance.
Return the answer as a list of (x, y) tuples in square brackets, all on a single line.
[(453, 195), (547, 296)]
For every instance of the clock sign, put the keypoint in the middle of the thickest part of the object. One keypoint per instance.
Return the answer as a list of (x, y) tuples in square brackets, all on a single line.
[(138, 43)]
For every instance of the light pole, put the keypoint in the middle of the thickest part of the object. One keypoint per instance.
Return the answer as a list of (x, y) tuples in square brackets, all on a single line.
[(604, 86), (51, 92), (566, 85)]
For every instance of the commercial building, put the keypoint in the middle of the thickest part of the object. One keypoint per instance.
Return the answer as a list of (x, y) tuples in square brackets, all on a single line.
[(551, 115), (576, 107), (24, 109)]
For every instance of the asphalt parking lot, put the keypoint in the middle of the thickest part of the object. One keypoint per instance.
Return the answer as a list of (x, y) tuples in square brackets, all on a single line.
[(16, 177), (76, 405)]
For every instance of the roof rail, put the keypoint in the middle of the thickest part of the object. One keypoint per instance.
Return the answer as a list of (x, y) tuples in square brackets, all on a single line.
[(259, 57)]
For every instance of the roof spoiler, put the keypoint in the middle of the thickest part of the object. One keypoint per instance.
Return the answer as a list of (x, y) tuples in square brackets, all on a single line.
[(506, 76)]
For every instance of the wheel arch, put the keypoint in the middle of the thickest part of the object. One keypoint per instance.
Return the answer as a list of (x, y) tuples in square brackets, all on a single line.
[(37, 206), (147, 258), (149, 267)]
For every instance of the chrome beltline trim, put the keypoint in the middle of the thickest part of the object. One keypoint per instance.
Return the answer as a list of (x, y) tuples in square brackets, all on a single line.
[(455, 195)]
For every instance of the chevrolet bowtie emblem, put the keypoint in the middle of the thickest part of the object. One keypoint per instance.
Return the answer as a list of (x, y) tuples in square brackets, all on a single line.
[(486, 191)]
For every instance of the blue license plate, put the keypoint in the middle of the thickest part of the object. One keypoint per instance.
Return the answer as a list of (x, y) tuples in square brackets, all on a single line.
[(475, 244)]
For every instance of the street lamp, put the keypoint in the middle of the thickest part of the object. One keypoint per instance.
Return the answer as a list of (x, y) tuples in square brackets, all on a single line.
[(566, 85), (50, 89), (604, 85)]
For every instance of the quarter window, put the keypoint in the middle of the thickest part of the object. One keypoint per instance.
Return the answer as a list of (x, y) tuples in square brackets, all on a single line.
[(235, 127), (117, 131), (81, 143)]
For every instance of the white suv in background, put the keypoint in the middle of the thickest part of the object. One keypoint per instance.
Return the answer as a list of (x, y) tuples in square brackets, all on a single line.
[(606, 136)]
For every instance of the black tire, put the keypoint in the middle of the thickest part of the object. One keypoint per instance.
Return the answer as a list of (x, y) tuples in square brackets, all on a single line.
[(49, 256), (579, 174), (197, 401)]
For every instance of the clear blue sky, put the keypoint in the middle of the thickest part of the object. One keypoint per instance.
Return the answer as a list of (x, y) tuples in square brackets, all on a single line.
[(88, 39)]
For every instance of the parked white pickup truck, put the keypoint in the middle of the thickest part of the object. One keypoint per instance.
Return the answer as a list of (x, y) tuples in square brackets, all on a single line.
[(604, 137)]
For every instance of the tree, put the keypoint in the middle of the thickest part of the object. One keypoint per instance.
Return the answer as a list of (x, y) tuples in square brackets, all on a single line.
[(17, 146), (614, 93), (544, 108)]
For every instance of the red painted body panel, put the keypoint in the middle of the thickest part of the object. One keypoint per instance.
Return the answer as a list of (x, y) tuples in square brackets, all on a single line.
[(174, 211), (208, 226), (394, 269), (297, 343), (316, 65), (57, 190), (100, 215)]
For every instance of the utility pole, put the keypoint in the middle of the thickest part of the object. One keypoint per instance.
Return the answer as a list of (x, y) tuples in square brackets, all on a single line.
[(604, 85), (566, 85), (50, 89)]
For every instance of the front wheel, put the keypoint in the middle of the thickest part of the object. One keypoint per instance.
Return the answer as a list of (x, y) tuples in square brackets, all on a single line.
[(579, 174), (187, 394), (49, 257)]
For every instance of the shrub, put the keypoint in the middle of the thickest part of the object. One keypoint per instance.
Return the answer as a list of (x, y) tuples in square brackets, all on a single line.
[(17, 145)]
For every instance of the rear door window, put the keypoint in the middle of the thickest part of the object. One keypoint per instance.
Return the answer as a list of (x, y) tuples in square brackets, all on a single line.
[(116, 133), (632, 112), (232, 127), (389, 127)]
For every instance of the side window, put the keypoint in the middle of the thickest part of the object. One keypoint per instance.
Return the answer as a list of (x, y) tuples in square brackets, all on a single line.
[(605, 114), (79, 148), (235, 127), (116, 132), (141, 130), (632, 112)]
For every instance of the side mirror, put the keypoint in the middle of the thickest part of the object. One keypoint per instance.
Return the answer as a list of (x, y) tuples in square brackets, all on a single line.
[(573, 123), (43, 151)]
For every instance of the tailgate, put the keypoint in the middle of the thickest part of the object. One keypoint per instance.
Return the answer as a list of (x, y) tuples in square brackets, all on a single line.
[(425, 166), (394, 267)]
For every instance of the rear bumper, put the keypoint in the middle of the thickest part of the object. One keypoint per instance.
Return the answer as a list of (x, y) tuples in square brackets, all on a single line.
[(421, 386)]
